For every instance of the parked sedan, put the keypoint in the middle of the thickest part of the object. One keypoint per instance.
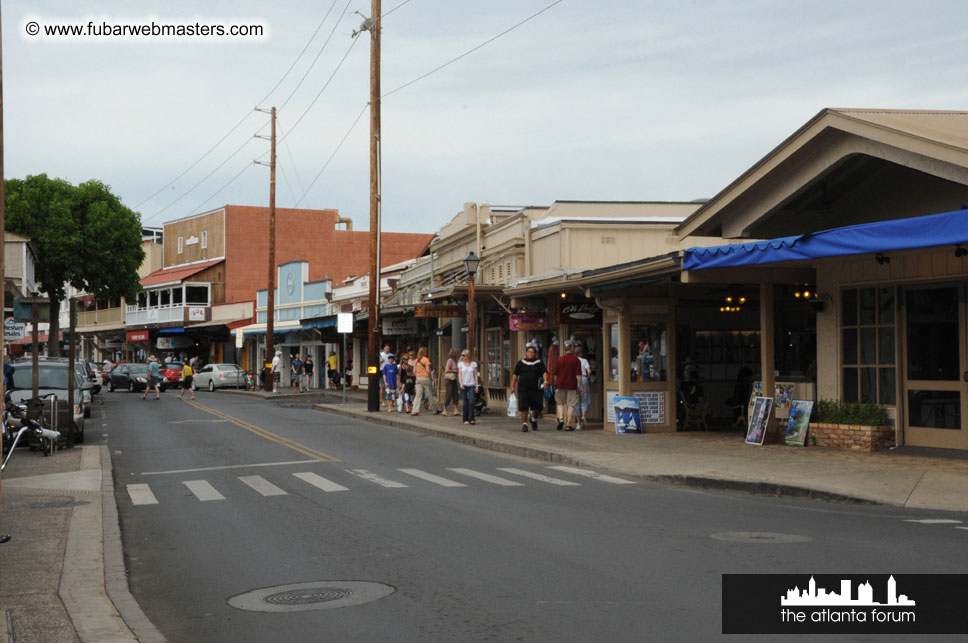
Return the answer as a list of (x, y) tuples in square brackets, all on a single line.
[(213, 376), (172, 373), (133, 377)]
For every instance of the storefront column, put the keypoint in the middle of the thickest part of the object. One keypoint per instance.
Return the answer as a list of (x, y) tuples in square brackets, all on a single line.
[(624, 350), (766, 348)]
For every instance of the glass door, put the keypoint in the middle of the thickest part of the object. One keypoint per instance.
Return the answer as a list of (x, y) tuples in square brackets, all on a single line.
[(935, 390)]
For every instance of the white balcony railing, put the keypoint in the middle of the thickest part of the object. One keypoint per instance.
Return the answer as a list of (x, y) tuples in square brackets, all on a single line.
[(161, 315)]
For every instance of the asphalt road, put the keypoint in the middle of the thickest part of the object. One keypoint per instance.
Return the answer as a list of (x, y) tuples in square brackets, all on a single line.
[(234, 494)]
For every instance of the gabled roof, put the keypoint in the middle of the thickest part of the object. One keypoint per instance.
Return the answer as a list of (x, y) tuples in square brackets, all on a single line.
[(169, 275), (932, 134)]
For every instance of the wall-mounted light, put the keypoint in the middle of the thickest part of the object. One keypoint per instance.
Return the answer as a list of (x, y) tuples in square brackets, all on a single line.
[(806, 292), (882, 258), (960, 252), (564, 295)]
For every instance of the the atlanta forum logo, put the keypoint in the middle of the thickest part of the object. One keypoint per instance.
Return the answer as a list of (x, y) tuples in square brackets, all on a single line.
[(820, 606)]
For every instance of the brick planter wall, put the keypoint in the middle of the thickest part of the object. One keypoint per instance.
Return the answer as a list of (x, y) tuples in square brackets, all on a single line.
[(849, 436)]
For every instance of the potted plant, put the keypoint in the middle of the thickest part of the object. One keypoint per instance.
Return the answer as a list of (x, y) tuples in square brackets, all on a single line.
[(857, 426)]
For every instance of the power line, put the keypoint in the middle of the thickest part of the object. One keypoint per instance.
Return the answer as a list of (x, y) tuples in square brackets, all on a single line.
[(285, 178), (472, 50), (320, 93), (319, 53), (338, 146), (227, 183), (237, 125)]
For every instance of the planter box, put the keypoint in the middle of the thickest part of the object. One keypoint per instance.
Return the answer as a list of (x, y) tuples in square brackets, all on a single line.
[(850, 436)]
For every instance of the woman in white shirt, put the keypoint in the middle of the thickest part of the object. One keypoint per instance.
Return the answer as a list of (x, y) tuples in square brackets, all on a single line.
[(469, 380)]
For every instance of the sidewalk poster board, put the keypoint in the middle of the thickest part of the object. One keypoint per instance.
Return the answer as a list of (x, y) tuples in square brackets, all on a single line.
[(652, 406), (759, 419), (627, 419), (796, 433), (784, 395)]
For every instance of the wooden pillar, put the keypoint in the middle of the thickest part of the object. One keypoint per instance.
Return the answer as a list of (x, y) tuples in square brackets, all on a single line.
[(766, 348), (624, 351)]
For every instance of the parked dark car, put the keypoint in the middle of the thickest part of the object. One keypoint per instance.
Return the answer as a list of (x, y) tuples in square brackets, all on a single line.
[(133, 377), (52, 377)]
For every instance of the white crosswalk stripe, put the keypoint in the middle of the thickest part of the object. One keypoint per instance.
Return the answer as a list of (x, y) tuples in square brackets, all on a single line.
[(935, 521), (486, 477), (429, 477), (372, 477), (320, 482), (262, 485), (541, 477), (591, 474), (140, 494), (203, 490)]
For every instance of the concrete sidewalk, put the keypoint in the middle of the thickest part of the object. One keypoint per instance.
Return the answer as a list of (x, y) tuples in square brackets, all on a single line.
[(937, 480), (62, 576)]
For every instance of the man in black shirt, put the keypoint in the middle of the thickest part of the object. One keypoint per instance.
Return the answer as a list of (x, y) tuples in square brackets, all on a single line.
[(529, 378)]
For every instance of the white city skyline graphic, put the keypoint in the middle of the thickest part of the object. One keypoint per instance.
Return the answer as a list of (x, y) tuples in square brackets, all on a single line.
[(812, 595)]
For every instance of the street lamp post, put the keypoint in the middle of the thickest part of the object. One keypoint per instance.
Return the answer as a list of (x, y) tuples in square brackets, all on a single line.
[(471, 262)]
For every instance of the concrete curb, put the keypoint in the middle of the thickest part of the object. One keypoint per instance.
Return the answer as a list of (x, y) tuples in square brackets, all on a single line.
[(689, 480), (115, 573)]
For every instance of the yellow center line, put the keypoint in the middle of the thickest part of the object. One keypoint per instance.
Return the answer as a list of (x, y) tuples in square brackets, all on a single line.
[(264, 433)]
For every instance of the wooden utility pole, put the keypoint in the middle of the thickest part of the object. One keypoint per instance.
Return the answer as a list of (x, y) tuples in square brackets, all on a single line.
[(271, 293), (373, 352), (71, 357)]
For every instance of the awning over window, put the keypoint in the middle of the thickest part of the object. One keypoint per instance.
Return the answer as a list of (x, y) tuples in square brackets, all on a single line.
[(319, 322), (949, 228)]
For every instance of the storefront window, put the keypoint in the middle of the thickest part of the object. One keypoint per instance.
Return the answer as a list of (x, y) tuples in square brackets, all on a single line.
[(649, 351), (494, 349), (720, 354), (613, 352), (867, 345)]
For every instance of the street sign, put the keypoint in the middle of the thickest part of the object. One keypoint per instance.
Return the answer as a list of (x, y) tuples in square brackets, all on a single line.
[(13, 330), (344, 322)]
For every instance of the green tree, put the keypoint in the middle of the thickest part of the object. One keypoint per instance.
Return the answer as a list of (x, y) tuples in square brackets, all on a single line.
[(83, 234)]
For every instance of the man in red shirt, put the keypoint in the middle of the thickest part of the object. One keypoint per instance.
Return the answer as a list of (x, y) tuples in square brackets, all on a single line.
[(568, 386)]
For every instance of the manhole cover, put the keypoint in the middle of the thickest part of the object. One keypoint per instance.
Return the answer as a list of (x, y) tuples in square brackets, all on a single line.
[(308, 596), (55, 504), (764, 537), (318, 595)]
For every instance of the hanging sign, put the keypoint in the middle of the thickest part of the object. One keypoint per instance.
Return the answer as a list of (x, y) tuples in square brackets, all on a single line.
[(137, 336), (14, 330), (399, 326), (438, 311), (579, 312), (528, 321)]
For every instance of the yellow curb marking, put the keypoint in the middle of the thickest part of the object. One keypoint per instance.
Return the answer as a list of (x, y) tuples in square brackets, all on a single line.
[(268, 435)]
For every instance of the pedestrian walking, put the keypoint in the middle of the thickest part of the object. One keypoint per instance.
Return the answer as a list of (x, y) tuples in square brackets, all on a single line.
[(568, 388), (383, 361), (408, 380), (276, 372), (529, 379), (390, 382), (423, 375), (298, 374), (451, 396), (469, 380), (188, 376), (348, 375), (333, 364), (308, 370), (154, 378), (585, 398)]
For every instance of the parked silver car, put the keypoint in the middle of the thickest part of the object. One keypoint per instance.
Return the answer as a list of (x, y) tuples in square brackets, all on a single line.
[(213, 376)]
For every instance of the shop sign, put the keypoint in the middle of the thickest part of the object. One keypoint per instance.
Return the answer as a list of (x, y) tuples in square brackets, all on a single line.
[(137, 335), (528, 321), (168, 343), (438, 311), (579, 312), (14, 330), (399, 326), (196, 313)]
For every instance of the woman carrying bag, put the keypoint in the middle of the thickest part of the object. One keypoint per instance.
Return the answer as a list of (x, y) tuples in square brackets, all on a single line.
[(451, 395)]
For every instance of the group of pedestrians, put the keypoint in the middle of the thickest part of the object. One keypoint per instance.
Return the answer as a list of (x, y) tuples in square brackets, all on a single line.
[(530, 382), (154, 378)]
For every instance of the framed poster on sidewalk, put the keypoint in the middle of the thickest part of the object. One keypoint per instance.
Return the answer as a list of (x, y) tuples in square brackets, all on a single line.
[(627, 418), (796, 433), (759, 419)]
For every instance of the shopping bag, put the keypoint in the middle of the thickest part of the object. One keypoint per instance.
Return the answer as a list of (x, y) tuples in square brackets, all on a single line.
[(399, 404), (512, 405)]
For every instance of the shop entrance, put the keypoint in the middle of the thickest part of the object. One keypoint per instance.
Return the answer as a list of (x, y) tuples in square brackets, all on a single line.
[(935, 391)]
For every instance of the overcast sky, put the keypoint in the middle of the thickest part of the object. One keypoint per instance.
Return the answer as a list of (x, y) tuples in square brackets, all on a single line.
[(606, 100)]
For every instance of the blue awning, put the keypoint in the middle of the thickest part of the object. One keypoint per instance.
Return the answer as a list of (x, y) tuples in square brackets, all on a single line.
[(324, 322), (172, 330), (949, 228)]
